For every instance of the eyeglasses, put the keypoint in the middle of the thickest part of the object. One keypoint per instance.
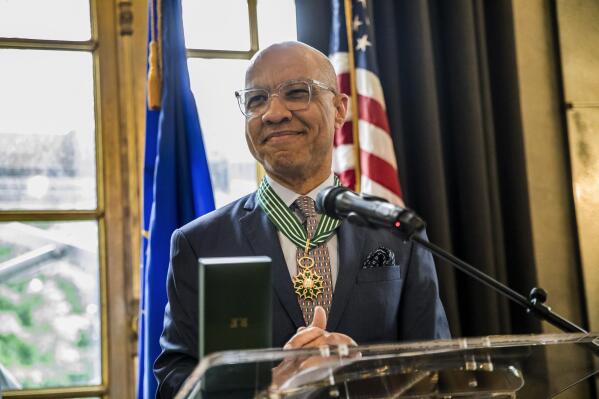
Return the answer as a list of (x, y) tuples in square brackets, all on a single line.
[(295, 94)]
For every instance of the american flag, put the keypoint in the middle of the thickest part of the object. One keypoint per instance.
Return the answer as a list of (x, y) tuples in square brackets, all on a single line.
[(377, 163)]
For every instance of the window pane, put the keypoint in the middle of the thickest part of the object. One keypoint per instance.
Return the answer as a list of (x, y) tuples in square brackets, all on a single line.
[(43, 19), (47, 142), (276, 21), (49, 303), (222, 24), (232, 167)]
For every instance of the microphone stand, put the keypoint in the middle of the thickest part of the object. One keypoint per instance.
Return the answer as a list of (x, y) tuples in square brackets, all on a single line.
[(535, 303), (407, 224)]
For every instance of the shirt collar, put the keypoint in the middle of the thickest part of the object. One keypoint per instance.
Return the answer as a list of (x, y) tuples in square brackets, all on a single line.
[(289, 196)]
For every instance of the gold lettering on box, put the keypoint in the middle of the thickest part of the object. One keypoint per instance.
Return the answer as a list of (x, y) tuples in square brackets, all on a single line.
[(238, 322)]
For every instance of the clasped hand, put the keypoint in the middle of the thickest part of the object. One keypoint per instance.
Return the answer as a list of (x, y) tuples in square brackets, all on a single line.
[(315, 335), (312, 336)]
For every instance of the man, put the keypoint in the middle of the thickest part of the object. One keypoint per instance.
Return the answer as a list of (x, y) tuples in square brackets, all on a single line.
[(327, 277)]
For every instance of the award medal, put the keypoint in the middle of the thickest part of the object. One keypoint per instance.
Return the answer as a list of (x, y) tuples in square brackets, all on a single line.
[(307, 283)]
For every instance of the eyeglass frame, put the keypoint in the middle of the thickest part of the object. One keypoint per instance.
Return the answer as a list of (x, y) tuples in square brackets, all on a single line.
[(276, 92)]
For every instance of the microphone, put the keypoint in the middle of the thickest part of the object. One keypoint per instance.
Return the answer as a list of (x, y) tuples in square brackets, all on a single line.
[(362, 209)]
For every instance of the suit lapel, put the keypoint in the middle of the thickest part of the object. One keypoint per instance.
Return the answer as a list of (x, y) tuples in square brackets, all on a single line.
[(351, 241), (264, 240)]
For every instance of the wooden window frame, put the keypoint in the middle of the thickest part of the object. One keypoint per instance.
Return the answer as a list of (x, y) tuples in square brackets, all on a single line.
[(113, 46)]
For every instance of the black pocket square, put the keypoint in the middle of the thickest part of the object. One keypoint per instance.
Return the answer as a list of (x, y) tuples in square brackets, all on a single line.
[(379, 257)]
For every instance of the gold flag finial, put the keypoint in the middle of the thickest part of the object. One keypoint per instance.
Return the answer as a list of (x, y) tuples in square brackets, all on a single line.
[(154, 58)]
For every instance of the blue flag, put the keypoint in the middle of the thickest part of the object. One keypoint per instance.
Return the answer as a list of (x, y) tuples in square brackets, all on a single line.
[(177, 186)]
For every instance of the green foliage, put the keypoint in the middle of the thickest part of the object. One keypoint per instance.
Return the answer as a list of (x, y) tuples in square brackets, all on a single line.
[(6, 304), (44, 225), (6, 252), (18, 286), (24, 314), (26, 307), (24, 310), (71, 293), (78, 378), (15, 351), (84, 340), (22, 350)]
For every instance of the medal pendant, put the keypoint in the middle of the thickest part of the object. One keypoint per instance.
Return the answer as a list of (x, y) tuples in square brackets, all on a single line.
[(307, 283)]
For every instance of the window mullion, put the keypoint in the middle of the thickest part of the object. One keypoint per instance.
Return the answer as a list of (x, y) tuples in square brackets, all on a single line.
[(36, 44), (253, 19)]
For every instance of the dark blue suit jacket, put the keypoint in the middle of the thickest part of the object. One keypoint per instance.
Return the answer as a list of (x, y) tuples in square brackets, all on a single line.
[(381, 304)]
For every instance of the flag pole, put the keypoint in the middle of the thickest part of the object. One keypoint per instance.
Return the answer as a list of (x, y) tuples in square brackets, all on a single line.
[(354, 92)]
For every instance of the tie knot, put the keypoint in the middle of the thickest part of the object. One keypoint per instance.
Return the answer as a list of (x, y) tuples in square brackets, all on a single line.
[(306, 206)]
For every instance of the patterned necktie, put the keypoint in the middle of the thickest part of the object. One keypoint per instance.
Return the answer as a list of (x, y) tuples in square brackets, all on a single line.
[(322, 263)]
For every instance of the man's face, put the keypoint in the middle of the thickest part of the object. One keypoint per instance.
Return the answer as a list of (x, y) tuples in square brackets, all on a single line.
[(293, 144)]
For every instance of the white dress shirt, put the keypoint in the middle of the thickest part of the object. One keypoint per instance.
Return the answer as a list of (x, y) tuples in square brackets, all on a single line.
[(289, 248)]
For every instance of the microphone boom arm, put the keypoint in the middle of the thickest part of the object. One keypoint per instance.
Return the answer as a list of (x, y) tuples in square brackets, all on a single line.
[(374, 212), (535, 303)]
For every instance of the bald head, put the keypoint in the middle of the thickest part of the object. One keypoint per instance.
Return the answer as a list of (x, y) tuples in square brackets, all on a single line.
[(279, 55)]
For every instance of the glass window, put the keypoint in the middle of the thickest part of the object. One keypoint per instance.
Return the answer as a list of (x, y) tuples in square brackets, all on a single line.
[(276, 21), (216, 25), (232, 167), (50, 303), (43, 19), (213, 81), (47, 133), (50, 265)]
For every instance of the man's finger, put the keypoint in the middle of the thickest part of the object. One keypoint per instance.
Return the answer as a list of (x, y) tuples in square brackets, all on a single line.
[(317, 342), (340, 339), (303, 337), (320, 318), (330, 339), (319, 361)]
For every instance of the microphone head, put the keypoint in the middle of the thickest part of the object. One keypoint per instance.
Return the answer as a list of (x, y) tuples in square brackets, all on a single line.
[(325, 200)]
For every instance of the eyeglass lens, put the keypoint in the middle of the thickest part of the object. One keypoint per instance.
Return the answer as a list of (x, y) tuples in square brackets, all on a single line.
[(295, 96)]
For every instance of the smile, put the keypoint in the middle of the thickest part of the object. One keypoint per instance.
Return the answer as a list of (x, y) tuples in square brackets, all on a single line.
[(282, 135)]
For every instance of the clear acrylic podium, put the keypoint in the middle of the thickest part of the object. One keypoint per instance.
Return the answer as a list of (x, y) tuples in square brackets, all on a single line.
[(514, 366)]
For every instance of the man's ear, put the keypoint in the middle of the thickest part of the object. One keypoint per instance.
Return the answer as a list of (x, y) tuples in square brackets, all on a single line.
[(341, 103)]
